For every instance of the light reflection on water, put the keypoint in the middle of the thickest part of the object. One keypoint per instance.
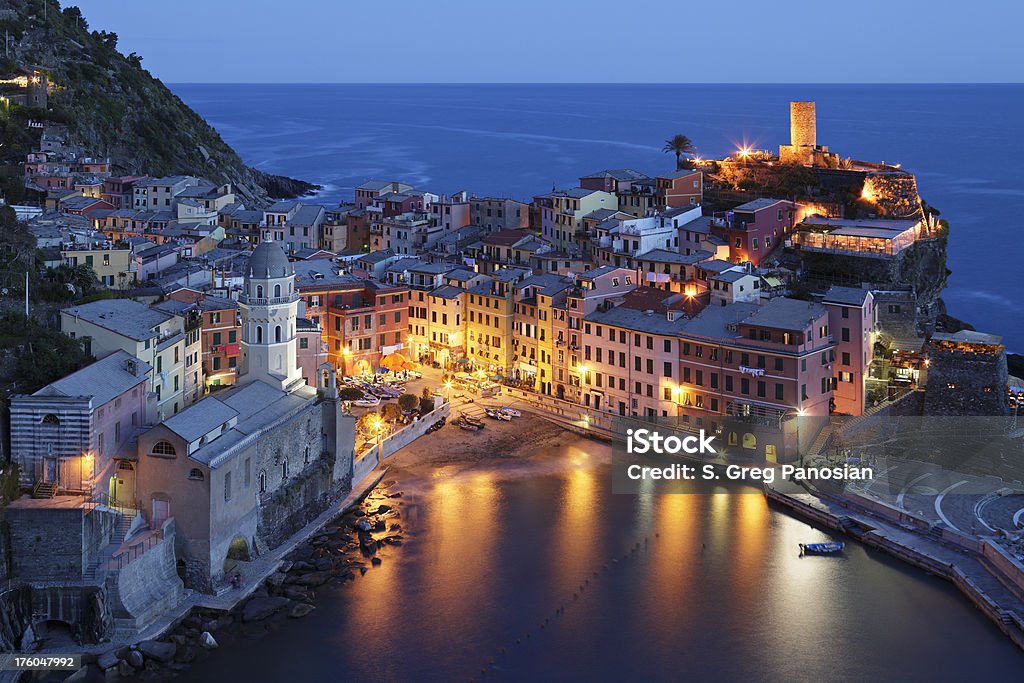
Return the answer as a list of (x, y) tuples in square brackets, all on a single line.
[(716, 589)]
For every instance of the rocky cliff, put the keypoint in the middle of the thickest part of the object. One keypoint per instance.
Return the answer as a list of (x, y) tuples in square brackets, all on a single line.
[(114, 107)]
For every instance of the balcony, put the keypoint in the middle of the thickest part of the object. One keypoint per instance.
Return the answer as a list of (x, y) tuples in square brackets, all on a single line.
[(272, 301)]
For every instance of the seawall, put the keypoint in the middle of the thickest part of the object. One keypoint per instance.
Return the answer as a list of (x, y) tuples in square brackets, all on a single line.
[(974, 573)]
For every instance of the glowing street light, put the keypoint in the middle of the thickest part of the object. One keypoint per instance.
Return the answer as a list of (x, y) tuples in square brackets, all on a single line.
[(448, 389), (377, 427)]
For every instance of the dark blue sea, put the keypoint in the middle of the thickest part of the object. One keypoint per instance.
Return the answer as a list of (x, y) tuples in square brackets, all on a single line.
[(964, 142)]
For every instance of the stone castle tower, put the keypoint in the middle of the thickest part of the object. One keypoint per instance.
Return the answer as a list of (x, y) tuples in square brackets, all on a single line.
[(803, 148), (269, 307), (803, 124)]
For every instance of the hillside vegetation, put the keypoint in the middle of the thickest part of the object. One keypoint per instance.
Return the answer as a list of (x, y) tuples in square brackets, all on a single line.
[(115, 107)]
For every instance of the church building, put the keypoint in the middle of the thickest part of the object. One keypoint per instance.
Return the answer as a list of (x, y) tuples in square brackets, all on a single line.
[(242, 470)]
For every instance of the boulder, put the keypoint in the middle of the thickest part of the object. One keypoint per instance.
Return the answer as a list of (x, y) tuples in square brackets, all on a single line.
[(107, 660), (211, 625), (161, 652), (135, 659), (185, 654), (276, 579), (293, 593), (124, 669), (375, 561), (285, 567), (207, 641), (382, 509), (300, 610), (313, 579), (260, 608), (324, 564)]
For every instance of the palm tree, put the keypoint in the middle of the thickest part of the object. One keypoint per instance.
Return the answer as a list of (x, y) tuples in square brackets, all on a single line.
[(679, 145)]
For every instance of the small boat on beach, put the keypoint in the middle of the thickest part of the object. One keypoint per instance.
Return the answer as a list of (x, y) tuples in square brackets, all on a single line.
[(827, 548), (472, 420)]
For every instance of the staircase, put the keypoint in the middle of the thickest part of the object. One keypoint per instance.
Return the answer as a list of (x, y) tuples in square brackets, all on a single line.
[(117, 537), (124, 524), (820, 443), (44, 489)]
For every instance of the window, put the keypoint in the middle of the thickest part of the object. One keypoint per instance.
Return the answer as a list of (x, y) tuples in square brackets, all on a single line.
[(263, 481), (248, 472), (163, 448), (778, 392), (227, 487), (196, 474), (846, 334), (50, 419)]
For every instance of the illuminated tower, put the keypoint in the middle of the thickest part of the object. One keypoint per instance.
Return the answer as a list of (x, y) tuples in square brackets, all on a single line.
[(803, 148), (269, 308), (803, 125)]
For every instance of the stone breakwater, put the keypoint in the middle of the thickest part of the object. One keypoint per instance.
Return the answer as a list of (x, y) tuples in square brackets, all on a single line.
[(346, 548)]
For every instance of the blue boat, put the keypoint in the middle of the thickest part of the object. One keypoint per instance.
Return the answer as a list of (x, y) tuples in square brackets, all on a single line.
[(828, 548)]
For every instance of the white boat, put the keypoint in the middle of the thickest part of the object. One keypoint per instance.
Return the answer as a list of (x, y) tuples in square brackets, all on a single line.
[(366, 402), (510, 411)]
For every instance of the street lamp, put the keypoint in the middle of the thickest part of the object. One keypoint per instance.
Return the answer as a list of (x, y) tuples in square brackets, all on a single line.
[(88, 462), (377, 427), (448, 389)]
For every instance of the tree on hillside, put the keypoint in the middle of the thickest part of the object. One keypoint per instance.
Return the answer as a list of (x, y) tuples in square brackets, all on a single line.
[(680, 145)]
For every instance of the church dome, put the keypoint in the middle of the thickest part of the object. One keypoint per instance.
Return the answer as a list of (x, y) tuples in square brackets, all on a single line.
[(269, 261)]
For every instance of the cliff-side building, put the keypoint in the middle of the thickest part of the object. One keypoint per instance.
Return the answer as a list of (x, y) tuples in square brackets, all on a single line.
[(967, 375)]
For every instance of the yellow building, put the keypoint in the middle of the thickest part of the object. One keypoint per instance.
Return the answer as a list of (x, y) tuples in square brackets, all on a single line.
[(533, 329), (569, 207), (115, 268), (156, 337), (489, 325)]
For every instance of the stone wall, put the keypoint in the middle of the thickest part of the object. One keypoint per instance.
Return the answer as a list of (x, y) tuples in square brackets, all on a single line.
[(966, 384), (56, 544), (148, 587), (296, 503)]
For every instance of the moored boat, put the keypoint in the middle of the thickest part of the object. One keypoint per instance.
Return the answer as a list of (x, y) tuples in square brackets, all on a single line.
[(827, 548)]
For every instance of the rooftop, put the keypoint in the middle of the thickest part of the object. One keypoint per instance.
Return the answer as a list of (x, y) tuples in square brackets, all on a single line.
[(758, 204), (618, 174), (665, 256), (968, 337), (847, 296), (785, 314), (123, 316), (713, 322), (104, 380), (257, 406), (639, 320)]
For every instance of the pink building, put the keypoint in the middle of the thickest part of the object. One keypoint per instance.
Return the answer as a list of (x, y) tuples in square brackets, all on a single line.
[(753, 230), (72, 435), (311, 350), (851, 315)]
